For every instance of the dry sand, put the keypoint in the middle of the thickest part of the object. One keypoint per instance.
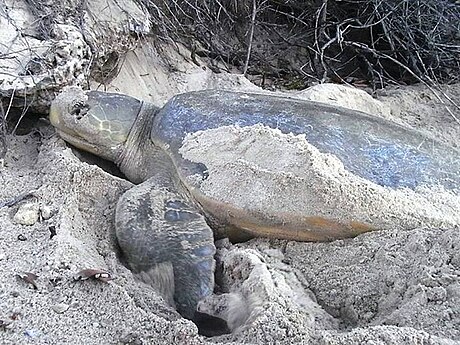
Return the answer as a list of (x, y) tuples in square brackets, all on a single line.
[(386, 287)]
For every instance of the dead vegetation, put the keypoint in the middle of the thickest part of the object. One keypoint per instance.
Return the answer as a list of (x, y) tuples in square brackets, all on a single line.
[(299, 42)]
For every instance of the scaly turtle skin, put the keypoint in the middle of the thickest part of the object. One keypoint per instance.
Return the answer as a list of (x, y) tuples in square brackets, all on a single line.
[(162, 223)]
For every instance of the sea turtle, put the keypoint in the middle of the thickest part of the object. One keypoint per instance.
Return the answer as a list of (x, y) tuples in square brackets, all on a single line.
[(165, 224)]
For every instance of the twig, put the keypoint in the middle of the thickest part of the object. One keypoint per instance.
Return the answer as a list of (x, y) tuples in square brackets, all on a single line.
[(251, 37), (17, 199), (320, 31), (10, 103), (3, 147), (430, 87)]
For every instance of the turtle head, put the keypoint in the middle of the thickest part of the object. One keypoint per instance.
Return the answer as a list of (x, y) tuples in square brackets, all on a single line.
[(94, 121)]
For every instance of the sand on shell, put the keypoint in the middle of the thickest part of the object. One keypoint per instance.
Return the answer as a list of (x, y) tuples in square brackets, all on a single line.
[(384, 287), (261, 169)]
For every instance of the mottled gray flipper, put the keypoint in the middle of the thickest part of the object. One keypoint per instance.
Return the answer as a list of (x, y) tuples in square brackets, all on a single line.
[(156, 225)]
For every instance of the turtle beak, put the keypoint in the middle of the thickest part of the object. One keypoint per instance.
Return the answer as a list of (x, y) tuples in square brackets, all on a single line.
[(59, 113), (57, 119), (54, 116)]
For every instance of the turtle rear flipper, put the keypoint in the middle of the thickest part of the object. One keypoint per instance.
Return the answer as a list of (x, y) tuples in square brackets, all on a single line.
[(156, 225)]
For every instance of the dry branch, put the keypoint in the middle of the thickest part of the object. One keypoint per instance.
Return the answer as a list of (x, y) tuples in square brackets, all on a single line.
[(288, 38), (3, 147)]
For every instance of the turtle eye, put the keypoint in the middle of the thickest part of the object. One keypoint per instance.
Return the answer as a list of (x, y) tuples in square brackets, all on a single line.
[(79, 110)]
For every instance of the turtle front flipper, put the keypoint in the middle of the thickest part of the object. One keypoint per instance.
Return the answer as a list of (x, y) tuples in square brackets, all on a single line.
[(156, 227)]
